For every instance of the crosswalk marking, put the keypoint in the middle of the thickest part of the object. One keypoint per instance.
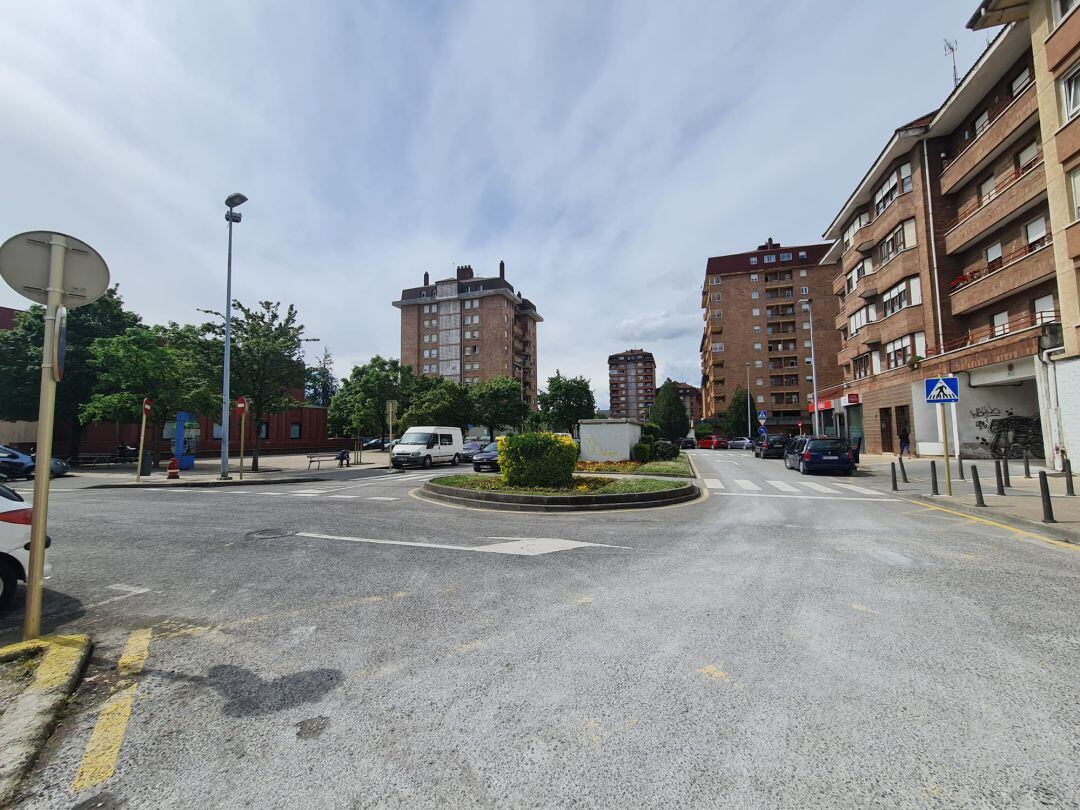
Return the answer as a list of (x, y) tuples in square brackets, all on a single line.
[(713, 483), (748, 485), (820, 487), (854, 488), (782, 486)]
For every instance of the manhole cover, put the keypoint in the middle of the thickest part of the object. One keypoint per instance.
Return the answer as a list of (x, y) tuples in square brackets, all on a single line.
[(267, 534)]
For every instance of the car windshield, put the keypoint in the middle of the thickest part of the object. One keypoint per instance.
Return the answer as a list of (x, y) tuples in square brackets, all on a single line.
[(827, 446), (492, 448), (416, 437)]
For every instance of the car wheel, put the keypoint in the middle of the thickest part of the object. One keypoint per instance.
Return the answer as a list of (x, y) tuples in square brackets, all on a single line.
[(455, 460), (9, 581), (477, 468), (802, 468), (427, 462)]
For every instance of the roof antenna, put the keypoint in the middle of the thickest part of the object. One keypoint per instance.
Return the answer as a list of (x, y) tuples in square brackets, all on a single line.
[(950, 48)]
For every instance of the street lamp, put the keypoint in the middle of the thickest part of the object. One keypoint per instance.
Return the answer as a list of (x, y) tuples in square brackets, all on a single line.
[(749, 428), (808, 308), (233, 201)]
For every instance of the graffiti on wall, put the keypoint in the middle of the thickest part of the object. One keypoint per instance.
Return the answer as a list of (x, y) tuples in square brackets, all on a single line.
[(1005, 435)]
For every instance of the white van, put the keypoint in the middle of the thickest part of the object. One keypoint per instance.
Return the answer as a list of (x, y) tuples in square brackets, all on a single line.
[(424, 446)]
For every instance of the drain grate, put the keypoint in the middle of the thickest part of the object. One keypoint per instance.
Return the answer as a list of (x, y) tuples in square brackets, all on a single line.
[(268, 534)]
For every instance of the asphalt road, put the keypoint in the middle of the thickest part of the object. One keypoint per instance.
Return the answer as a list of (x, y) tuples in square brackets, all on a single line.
[(788, 641)]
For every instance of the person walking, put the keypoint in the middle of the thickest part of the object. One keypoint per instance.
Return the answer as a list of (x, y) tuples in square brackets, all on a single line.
[(905, 441)]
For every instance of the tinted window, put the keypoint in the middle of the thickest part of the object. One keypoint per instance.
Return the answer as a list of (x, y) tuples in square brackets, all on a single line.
[(446, 438), (416, 437), (830, 446), (492, 448), (9, 494)]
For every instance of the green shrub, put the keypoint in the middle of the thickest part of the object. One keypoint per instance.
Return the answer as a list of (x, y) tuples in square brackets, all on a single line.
[(665, 451), (537, 460), (642, 451), (650, 433)]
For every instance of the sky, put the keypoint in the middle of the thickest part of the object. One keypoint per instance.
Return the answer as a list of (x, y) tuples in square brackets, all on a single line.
[(602, 149)]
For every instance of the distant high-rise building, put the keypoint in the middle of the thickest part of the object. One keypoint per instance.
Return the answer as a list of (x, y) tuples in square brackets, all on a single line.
[(470, 328), (691, 398), (631, 384)]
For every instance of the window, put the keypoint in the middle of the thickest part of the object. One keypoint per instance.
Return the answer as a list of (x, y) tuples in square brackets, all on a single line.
[(900, 239), (785, 257), (760, 397), (804, 290), (753, 260), (757, 330), (1044, 309), (1070, 94), (1021, 82), (716, 296), (770, 258), (897, 183), (754, 294), (1035, 231), (898, 352), (896, 298), (982, 122), (718, 347), (1062, 9), (986, 190), (808, 361), (1026, 156), (757, 347), (806, 325), (753, 278), (802, 273), (760, 381), (294, 430), (802, 255), (1000, 323), (849, 232), (806, 344), (1074, 183), (756, 311), (714, 280), (993, 256), (758, 363)]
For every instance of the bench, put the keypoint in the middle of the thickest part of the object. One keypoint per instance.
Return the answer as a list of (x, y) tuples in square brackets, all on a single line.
[(93, 459), (318, 458)]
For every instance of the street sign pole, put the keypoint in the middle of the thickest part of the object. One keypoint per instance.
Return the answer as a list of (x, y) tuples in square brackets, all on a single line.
[(945, 448), (242, 407), (142, 439)]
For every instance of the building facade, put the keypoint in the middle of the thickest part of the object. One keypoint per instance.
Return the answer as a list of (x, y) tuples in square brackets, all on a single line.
[(470, 328), (758, 331), (947, 269), (631, 384), (691, 398)]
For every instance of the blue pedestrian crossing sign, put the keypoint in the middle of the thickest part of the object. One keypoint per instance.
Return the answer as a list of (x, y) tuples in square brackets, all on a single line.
[(761, 431), (942, 389), (762, 415)]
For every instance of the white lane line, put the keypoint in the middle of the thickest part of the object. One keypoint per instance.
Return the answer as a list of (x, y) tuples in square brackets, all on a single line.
[(526, 547), (782, 486), (304, 494), (343, 496), (370, 498), (820, 487), (855, 488), (748, 485), (713, 483), (806, 497)]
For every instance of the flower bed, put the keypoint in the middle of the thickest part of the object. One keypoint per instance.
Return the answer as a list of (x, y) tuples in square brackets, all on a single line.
[(678, 467), (582, 485)]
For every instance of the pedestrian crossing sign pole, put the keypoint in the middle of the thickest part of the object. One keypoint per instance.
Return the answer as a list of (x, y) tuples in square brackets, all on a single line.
[(943, 390)]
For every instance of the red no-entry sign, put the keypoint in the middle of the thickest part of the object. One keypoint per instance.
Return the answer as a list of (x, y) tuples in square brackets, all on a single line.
[(146, 403), (241, 404)]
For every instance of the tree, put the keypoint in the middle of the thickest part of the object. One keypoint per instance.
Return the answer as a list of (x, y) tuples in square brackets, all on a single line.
[(734, 419), (670, 413), (20, 359), (445, 403), (173, 365), (267, 359), (566, 401), (360, 405), (497, 403), (321, 382)]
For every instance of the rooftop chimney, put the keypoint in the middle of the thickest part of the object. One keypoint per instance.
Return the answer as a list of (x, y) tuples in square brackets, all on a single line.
[(464, 272), (426, 279), (769, 245), (502, 269)]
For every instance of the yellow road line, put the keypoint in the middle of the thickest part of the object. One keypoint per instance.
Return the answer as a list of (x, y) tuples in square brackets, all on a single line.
[(103, 749), (59, 661), (994, 523)]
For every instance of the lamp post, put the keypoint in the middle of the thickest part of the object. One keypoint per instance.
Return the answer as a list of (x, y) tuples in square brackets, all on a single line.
[(749, 428), (808, 308), (232, 202)]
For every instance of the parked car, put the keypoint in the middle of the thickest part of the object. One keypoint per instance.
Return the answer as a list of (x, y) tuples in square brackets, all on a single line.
[(424, 446), (373, 444), (713, 442), (741, 443), (487, 458), (15, 518), (17, 464), (819, 454), (770, 446), (688, 443), (470, 449)]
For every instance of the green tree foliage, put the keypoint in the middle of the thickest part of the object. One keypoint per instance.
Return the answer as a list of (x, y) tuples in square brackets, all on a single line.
[(734, 420), (359, 406), (498, 403), (445, 403), (173, 365), (20, 358), (267, 359), (321, 382), (670, 413), (566, 401)]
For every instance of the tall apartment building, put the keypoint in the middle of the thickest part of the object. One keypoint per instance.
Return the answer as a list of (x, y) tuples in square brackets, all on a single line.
[(757, 332), (947, 268), (631, 384), (690, 396), (470, 328)]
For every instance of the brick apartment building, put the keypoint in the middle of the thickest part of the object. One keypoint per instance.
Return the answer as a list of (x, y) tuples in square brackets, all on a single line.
[(947, 267), (691, 398), (631, 384), (757, 332), (469, 328)]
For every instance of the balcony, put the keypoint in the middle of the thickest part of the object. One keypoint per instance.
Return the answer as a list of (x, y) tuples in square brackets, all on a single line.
[(1010, 274), (773, 281), (1007, 122), (869, 336), (840, 321), (904, 321), (849, 352), (987, 334), (902, 207), (787, 347), (779, 315), (1067, 140), (715, 327), (774, 295), (1013, 195), (1061, 43), (839, 285)]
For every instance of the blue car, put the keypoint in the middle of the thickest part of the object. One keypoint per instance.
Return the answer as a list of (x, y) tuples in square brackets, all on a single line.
[(809, 454), (488, 458), (17, 464)]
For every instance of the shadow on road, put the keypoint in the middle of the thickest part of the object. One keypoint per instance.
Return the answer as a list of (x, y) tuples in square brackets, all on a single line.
[(248, 695), (58, 608)]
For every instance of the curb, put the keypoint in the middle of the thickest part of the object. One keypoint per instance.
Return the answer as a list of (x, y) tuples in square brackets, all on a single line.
[(1033, 526), (31, 716), (213, 483), (559, 503)]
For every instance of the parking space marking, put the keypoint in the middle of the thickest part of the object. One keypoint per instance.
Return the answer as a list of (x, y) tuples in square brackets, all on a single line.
[(820, 487), (713, 483), (747, 485), (856, 488), (782, 486)]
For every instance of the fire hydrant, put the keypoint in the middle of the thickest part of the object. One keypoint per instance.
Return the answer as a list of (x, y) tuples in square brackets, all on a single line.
[(174, 468)]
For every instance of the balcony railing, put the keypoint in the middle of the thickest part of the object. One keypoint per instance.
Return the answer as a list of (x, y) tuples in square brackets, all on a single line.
[(999, 263), (984, 334), (995, 113), (1000, 187)]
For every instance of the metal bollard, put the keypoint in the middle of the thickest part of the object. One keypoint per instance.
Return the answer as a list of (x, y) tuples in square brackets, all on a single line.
[(892, 468), (978, 487), (903, 470), (1027, 464), (960, 466), (1005, 471), (933, 478), (1048, 507), (1068, 478), (997, 477)]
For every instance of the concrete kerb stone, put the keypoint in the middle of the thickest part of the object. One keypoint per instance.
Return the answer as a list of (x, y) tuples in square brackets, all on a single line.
[(559, 503), (214, 483), (1055, 531), (29, 719)]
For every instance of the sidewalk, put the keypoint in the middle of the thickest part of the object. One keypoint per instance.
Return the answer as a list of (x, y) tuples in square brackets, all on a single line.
[(1021, 505)]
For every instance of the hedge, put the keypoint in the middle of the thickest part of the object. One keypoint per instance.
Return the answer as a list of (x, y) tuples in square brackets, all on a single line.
[(650, 432), (537, 460), (642, 451), (665, 451)]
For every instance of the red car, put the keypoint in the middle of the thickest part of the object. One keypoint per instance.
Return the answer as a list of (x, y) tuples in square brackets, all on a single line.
[(712, 443)]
